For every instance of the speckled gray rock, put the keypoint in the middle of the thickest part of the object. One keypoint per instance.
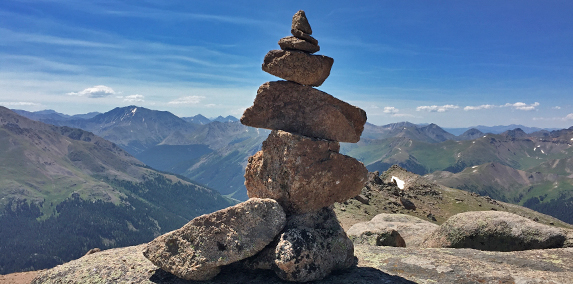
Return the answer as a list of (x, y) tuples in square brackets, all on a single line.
[(312, 246), (300, 22), (366, 233), (303, 174), (494, 231), (291, 107), (198, 250), (297, 66), (293, 43)]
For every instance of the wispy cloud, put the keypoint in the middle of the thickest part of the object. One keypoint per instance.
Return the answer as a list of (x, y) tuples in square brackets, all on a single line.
[(556, 107), (436, 108), (480, 107), (134, 98), (187, 100), (394, 112), (517, 106), (19, 104), (522, 106), (53, 40), (99, 91), (562, 118)]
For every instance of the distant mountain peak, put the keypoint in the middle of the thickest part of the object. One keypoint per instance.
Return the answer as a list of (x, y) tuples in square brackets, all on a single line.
[(229, 118), (197, 119)]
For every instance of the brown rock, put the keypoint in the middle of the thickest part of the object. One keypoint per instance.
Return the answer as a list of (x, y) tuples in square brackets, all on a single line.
[(312, 246), (303, 174), (300, 22), (304, 110), (293, 43), (298, 66), (197, 250), (407, 203), (304, 36)]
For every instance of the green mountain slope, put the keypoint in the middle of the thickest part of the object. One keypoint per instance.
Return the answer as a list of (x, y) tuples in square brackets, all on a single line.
[(64, 191), (454, 156), (534, 171), (548, 193), (214, 153)]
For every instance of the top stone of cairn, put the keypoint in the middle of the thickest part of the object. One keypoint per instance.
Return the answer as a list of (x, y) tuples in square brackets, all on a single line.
[(300, 22)]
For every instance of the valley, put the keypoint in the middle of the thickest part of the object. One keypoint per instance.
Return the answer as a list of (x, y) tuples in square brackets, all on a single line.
[(533, 169), (155, 171)]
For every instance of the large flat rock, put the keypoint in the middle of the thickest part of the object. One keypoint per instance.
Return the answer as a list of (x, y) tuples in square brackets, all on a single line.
[(303, 174), (298, 66), (197, 250), (413, 230), (293, 43), (291, 107), (495, 230)]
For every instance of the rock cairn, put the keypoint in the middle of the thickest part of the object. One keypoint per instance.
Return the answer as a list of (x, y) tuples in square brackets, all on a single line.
[(288, 224), (299, 165)]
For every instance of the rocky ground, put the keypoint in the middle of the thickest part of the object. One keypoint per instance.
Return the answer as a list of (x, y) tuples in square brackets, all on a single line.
[(376, 265), (423, 199)]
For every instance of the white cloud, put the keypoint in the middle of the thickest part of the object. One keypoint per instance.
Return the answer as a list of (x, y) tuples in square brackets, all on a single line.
[(556, 107), (99, 91), (436, 108), (522, 106), (134, 98), (391, 110), (187, 100), (568, 117), (478, 107), (19, 104)]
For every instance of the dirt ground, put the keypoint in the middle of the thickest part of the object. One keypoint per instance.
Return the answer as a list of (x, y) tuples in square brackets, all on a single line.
[(18, 278)]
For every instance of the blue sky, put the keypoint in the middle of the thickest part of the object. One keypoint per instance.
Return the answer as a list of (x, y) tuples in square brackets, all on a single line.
[(453, 63)]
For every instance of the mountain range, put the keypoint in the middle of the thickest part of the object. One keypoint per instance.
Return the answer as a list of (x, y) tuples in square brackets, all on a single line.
[(64, 191), (215, 153)]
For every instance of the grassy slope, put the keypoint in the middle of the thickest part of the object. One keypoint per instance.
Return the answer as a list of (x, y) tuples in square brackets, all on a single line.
[(442, 202)]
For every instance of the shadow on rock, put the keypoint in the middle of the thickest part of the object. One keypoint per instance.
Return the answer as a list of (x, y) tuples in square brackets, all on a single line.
[(231, 275)]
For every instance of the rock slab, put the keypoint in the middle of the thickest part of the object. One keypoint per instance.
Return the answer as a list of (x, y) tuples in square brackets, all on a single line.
[(282, 105), (494, 231), (365, 233), (376, 265), (293, 43), (197, 250), (303, 174), (300, 67)]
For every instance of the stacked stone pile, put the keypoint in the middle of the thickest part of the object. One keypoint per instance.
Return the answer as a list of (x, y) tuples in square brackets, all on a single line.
[(288, 225), (299, 165)]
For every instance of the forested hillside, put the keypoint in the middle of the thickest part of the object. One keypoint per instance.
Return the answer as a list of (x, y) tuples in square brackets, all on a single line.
[(64, 191)]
